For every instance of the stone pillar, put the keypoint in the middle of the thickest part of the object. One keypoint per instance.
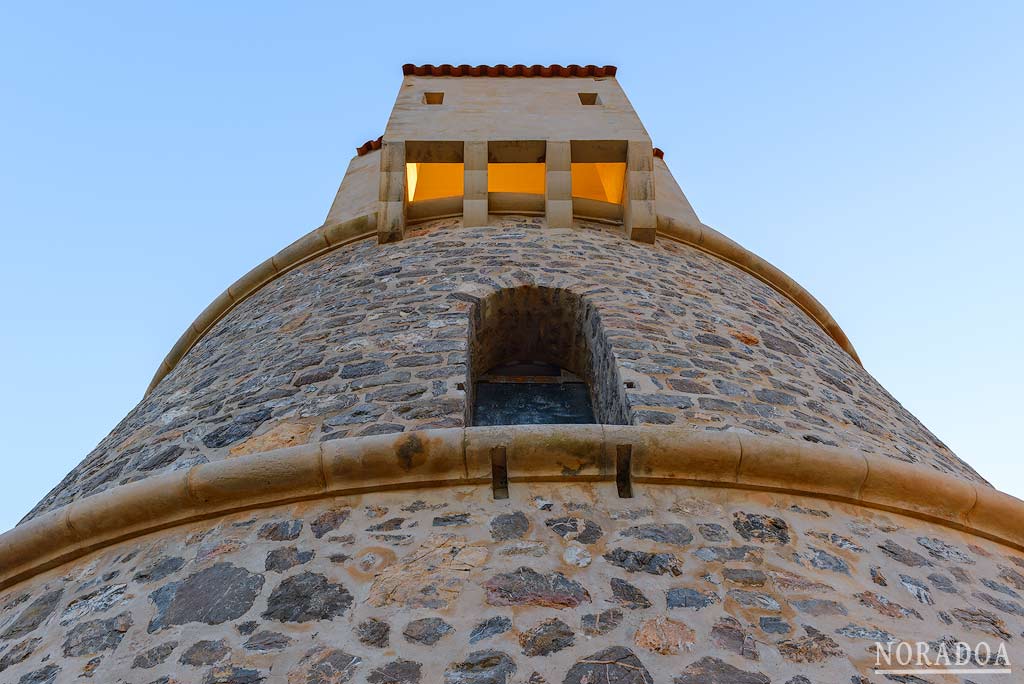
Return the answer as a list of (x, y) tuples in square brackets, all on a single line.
[(391, 196), (474, 191), (558, 184), (639, 216)]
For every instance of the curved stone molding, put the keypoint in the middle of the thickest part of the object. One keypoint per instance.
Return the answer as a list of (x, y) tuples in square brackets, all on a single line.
[(462, 456), (330, 237), (711, 241), (322, 240)]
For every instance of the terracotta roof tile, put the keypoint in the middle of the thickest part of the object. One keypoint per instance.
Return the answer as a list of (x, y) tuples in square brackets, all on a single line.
[(504, 70), (369, 146)]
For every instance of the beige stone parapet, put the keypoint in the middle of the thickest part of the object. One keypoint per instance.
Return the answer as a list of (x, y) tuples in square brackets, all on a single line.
[(641, 455), (330, 237)]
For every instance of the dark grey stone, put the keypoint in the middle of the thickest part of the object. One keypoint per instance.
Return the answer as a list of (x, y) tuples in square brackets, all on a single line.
[(728, 634), (823, 560), (205, 653), (942, 551), (360, 370), (905, 556), (780, 345), (713, 532), (46, 675), (745, 576), (20, 652), (761, 528), (819, 607), (154, 656), (525, 587), (579, 529), (159, 569), (601, 623), (161, 458), (640, 561), (451, 520), (316, 375), (213, 595), (918, 589), (942, 583), (754, 599), (373, 632), (668, 533), (774, 625), (615, 665), (627, 595), (509, 526), (241, 427), (684, 597), (326, 666), (1005, 605), (721, 554), (329, 521), (498, 624), (34, 615), (280, 560), (96, 636), (229, 674), (247, 628), (427, 630), (283, 530), (996, 586), (264, 642), (550, 636), (307, 597), (396, 672), (709, 670), (481, 667)]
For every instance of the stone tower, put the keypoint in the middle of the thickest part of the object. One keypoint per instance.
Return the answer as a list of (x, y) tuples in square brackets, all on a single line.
[(511, 415)]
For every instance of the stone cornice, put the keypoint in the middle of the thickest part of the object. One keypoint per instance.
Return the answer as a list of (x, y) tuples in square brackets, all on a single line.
[(656, 455), (329, 237)]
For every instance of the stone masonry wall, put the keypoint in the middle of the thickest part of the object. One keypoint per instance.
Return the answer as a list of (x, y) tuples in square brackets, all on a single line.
[(373, 338), (561, 583)]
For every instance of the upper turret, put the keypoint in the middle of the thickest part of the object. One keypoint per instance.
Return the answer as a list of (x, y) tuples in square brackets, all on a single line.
[(504, 205)]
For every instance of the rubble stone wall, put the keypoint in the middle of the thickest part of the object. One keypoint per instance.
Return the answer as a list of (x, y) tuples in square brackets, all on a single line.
[(559, 583), (372, 339)]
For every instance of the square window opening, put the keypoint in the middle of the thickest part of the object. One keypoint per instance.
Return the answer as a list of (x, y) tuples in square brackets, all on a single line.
[(426, 181), (433, 98), (589, 99)]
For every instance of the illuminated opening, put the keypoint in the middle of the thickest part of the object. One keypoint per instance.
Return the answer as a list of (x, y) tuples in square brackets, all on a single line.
[(518, 178), (433, 98), (589, 99), (426, 181), (602, 181)]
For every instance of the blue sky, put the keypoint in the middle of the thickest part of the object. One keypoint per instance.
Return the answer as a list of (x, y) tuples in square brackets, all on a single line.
[(152, 153)]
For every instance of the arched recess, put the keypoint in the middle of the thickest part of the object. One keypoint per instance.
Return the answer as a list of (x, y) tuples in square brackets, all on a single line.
[(533, 353)]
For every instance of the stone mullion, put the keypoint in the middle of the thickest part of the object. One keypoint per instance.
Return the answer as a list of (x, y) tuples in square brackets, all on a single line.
[(639, 216), (558, 184), (474, 201), (392, 195)]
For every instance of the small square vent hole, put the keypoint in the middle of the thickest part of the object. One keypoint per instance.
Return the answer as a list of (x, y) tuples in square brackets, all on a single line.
[(589, 99), (433, 98)]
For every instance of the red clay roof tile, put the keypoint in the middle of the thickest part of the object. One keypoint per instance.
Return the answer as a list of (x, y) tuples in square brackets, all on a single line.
[(369, 146), (589, 70)]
